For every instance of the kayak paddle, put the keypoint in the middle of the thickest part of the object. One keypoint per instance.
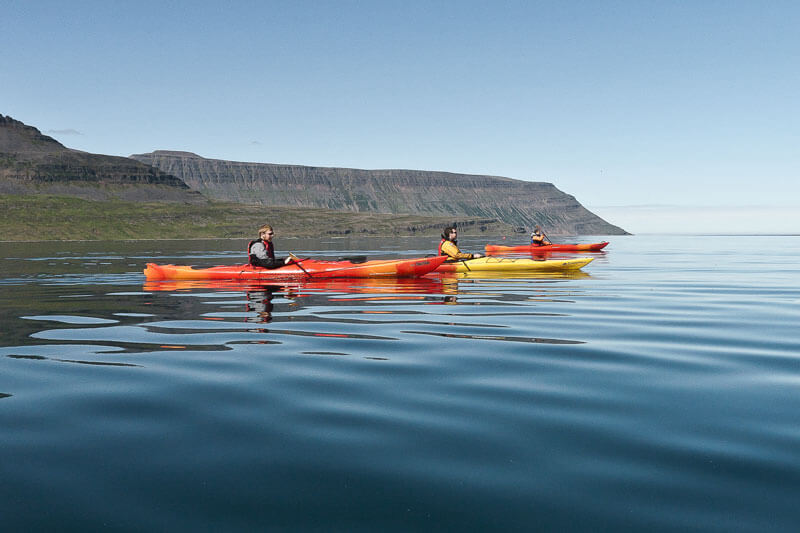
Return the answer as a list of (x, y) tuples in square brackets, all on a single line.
[(297, 262)]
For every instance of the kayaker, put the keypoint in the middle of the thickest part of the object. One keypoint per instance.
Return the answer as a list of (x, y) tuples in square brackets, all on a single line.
[(262, 252), (449, 246), (538, 238)]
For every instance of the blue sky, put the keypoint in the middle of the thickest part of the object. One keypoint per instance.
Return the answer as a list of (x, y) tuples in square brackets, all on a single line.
[(659, 116)]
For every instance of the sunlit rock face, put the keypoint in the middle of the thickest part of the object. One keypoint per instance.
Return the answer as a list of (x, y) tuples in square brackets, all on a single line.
[(522, 204)]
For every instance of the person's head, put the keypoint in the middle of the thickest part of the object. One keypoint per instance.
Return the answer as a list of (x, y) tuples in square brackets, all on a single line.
[(265, 232), (537, 230), (450, 233)]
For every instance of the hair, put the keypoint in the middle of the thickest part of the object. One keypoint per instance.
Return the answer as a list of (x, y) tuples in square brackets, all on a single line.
[(446, 232), (264, 228)]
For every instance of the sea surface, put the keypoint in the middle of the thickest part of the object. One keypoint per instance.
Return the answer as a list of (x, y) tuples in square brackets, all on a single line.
[(658, 391)]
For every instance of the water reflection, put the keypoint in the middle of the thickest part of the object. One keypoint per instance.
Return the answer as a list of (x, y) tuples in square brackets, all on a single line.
[(259, 301), (43, 358), (453, 402), (307, 316), (498, 338), (355, 285)]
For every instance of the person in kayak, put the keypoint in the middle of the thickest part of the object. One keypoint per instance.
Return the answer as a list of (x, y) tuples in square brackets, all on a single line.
[(538, 238), (449, 246), (262, 252)]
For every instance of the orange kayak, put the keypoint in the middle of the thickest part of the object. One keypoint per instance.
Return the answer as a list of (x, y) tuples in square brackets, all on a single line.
[(593, 247), (306, 268)]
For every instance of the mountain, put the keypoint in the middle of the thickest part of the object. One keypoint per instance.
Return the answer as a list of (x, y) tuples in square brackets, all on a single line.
[(33, 163), (522, 204)]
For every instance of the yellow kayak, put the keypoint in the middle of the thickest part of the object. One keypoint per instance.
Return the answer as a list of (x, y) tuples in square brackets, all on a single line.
[(507, 264), (519, 274)]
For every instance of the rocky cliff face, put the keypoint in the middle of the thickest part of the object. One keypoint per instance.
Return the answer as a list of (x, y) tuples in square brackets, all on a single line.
[(520, 203), (31, 162)]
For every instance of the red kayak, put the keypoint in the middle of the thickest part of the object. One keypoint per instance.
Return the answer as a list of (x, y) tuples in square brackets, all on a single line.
[(593, 247), (306, 268)]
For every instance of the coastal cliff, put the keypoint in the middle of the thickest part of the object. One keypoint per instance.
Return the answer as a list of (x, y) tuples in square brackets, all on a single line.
[(522, 204), (34, 163), (37, 172)]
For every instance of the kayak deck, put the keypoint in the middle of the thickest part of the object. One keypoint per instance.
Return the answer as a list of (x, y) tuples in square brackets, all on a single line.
[(307, 268), (506, 264)]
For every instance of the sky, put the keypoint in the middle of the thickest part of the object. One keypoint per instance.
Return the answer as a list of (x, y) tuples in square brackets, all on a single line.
[(659, 116)]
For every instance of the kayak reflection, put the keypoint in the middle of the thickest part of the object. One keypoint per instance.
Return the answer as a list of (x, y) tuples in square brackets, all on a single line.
[(347, 285), (465, 283), (260, 296), (435, 288)]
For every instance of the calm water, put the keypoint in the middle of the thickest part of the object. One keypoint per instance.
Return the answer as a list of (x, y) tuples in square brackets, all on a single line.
[(659, 391)]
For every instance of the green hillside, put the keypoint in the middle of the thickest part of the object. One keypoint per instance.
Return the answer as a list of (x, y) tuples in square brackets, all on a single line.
[(38, 217)]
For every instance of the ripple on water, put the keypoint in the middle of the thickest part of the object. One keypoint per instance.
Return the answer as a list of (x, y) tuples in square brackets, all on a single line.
[(660, 392)]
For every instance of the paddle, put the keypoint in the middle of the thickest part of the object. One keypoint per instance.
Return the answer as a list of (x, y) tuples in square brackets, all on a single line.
[(297, 262), (545, 236)]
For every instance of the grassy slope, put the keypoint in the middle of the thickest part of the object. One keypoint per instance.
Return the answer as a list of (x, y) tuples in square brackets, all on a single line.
[(31, 218)]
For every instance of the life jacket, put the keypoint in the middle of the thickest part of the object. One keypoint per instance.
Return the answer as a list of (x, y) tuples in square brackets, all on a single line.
[(442, 243), (252, 257)]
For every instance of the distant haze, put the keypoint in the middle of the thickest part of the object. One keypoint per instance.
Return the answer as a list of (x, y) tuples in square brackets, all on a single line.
[(713, 220)]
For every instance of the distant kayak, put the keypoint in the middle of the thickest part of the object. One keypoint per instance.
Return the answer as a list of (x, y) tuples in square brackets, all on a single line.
[(593, 247), (506, 264), (306, 268)]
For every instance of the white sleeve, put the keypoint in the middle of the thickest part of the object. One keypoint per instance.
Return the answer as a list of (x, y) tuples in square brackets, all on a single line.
[(259, 250)]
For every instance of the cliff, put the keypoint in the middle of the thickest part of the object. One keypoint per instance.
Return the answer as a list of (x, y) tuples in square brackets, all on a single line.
[(522, 204), (31, 162)]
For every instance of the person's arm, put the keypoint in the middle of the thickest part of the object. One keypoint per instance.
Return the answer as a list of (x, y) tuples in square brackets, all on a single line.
[(453, 252), (272, 263)]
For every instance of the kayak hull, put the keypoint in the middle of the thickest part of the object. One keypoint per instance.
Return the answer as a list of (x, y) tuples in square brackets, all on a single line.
[(593, 247), (308, 268), (506, 264)]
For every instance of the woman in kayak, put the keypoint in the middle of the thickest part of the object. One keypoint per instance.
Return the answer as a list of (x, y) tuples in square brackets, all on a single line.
[(262, 251), (449, 246), (538, 238)]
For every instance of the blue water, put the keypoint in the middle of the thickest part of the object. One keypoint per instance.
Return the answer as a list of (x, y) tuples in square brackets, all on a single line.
[(659, 391)]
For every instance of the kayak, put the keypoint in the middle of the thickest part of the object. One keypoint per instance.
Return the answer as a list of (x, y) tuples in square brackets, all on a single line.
[(593, 247), (516, 275), (507, 264), (306, 268)]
